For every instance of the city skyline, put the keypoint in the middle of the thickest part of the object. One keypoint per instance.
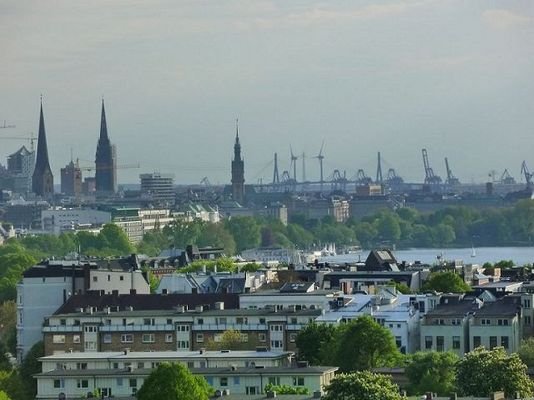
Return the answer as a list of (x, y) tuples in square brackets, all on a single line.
[(365, 77)]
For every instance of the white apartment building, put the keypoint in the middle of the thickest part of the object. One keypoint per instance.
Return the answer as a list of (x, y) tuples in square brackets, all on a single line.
[(122, 374), (57, 220), (46, 286)]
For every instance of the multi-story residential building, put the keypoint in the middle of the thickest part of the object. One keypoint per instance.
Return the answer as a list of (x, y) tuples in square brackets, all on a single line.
[(164, 323), (299, 296), (121, 375), (397, 312), (60, 219), (368, 280), (462, 323), (136, 221), (48, 285), (497, 323), (223, 282), (446, 328)]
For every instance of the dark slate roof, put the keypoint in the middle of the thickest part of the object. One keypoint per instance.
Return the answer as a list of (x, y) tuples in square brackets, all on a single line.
[(296, 287), (148, 301), (454, 308), (509, 305), (231, 285)]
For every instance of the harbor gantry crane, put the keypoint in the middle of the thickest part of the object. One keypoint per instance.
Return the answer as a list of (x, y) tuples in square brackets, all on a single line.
[(430, 177), (451, 179), (506, 178), (393, 179), (528, 176)]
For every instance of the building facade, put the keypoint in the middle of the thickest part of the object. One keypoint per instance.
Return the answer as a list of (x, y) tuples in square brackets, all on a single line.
[(71, 179), (158, 188)]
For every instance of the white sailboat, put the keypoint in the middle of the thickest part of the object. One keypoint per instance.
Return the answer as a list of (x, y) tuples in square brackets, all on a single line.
[(473, 251)]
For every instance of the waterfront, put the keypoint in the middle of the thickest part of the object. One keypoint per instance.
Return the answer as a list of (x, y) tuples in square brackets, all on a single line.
[(520, 255)]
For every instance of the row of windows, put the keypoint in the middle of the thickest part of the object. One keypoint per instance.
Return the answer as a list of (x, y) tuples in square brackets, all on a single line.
[(145, 338), (456, 342), (274, 380)]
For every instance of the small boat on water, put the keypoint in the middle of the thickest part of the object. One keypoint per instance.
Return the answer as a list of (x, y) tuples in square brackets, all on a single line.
[(473, 251)]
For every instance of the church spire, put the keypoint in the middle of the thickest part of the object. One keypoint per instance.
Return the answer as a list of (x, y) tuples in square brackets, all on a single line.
[(103, 124), (42, 180)]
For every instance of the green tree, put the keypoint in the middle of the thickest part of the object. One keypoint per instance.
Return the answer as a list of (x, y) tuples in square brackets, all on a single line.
[(446, 282), (526, 352), (4, 396), (482, 372), (363, 344), (31, 366), (116, 239), (443, 234), (313, 340), (246, 232), (362, 385), (230, 340), (432, 372), (174, 382), (366, 233), (216, 235), (388, 227)]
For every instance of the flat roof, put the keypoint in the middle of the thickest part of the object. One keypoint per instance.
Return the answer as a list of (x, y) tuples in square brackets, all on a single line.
[(119, 355)]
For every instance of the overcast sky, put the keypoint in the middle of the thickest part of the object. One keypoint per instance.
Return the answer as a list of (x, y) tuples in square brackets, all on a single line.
[(456, 77)]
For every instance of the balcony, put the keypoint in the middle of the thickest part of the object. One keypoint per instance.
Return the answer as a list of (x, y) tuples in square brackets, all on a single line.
[(225, 327)]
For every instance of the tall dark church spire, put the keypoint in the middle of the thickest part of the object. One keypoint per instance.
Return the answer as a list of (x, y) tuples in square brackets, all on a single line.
[(42, 180), (238, 170), (106, 168)]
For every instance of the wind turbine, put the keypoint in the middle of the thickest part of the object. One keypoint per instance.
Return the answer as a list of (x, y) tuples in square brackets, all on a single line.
[(320, 157)]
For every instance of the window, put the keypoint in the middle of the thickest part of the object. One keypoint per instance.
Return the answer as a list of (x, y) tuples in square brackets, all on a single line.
[(486, 321), (493, 342), (293, 320), (428, 342), (236, 380), (82, 384), (298, 381), (476, 342), (456, 342), (251, 390), (456, 321), (148, 338), (59, 383), (107, 338), (440, 343), (274, 380), (292, 337), (127, 338), (224, 381), (221, 321), (81, 365), (140, 365), (63, 322), (241, 320), (58, 339), (133, 382), (527, 320), (526, 303), (90, 345), (183, 344), (262, 321), (119, 382), (276, 344), (262, 337), (200, 337), (398, 341), (149, 321), (121, 278), (504, 341), (116, 365), (76, 339), (244, 337), (169, 321), (200, 321), (169, 338), (217, 337), (95, 278)]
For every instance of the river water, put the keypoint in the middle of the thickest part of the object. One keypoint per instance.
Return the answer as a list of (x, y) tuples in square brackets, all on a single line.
[(520, 255)]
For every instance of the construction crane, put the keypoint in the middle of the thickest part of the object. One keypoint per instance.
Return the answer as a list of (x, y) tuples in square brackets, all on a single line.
[(379, 178), (123, 166), (320, 157), (30, 138), (527, 174), (206, 182), (430, 177), (451, 179), (506, 178), (6, 126)]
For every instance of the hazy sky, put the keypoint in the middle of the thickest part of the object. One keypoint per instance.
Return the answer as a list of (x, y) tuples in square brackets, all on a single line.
[(456, 77)]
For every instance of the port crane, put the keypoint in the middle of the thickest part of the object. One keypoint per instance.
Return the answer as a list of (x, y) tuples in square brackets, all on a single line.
[(528, 176), (451, 179), (430, 177), (506, 178)]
